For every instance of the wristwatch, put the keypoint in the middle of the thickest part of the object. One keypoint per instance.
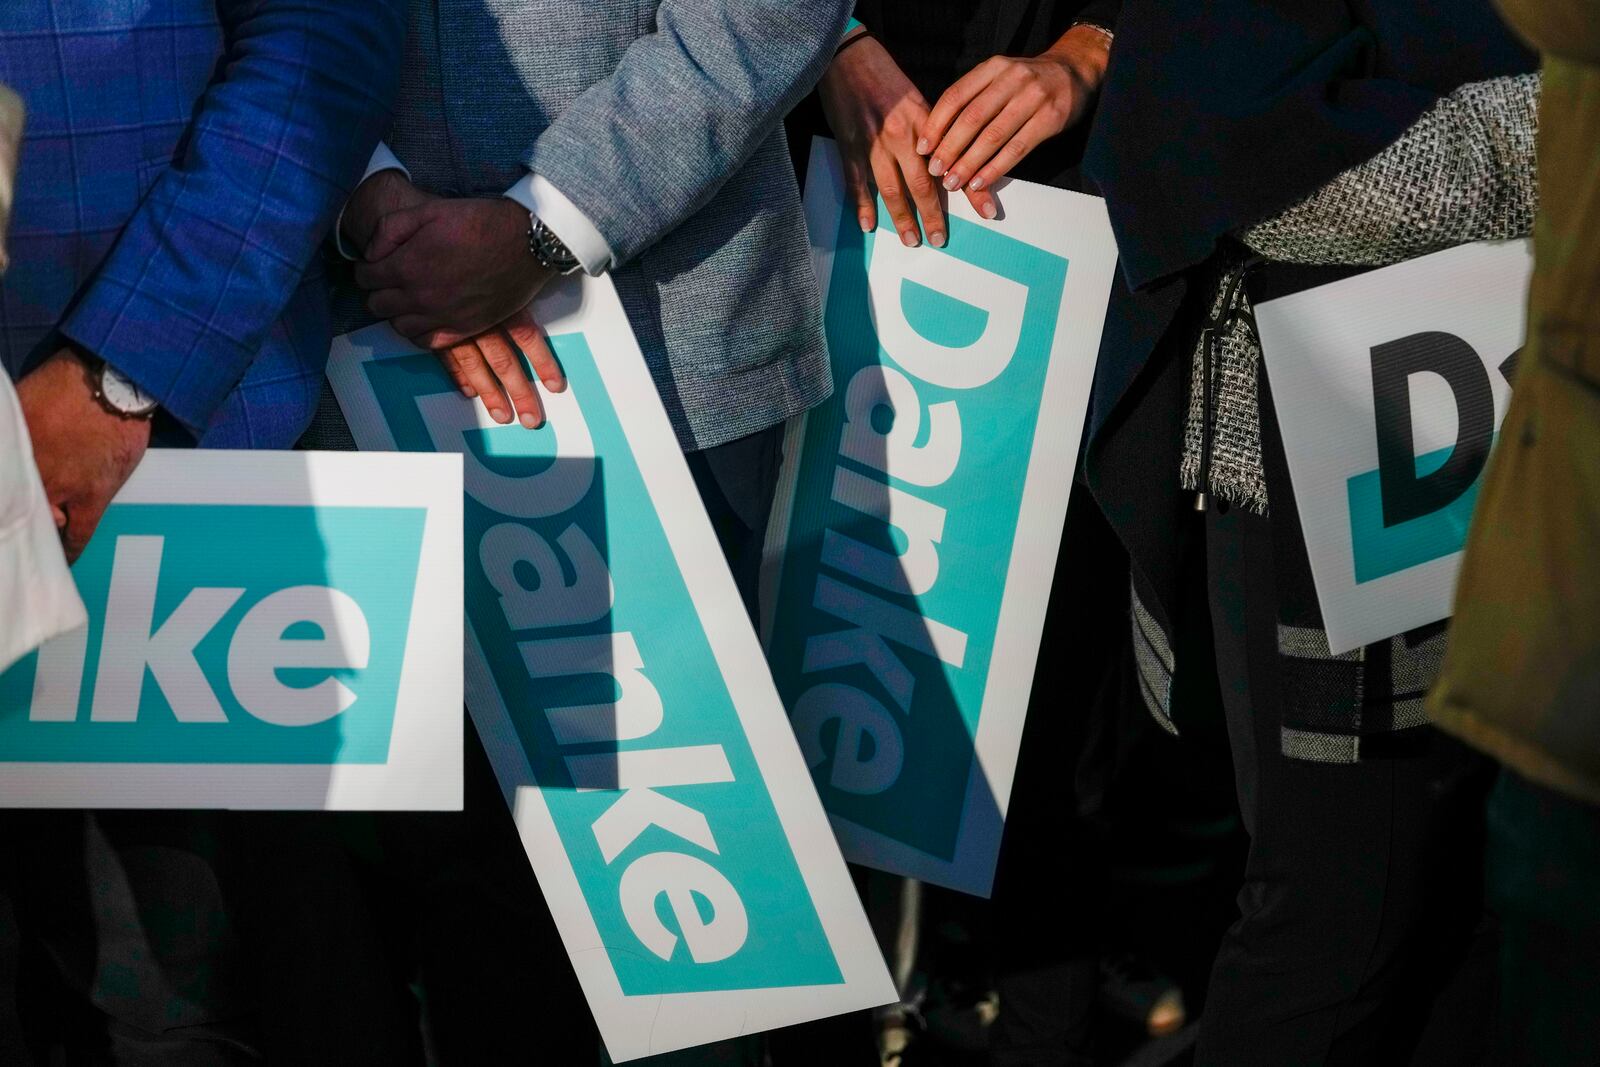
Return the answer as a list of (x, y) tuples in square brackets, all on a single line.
[(116, 392), (551, 251)]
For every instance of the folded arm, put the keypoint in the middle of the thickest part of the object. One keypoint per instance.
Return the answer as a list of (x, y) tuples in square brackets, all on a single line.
[(202, 271), (1465, 171)]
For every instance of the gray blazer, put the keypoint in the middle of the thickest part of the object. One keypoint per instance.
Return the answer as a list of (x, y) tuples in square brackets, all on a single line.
[(662, 121)]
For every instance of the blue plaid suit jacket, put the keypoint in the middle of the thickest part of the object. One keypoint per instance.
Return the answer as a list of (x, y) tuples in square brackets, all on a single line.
[(182, 163)]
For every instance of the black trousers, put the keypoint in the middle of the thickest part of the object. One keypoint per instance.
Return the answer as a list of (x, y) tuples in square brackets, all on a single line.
[(117, 941), (1362, 937)]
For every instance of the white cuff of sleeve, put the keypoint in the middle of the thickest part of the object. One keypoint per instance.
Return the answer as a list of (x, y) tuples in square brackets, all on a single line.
[(564, 219), (382, 159)]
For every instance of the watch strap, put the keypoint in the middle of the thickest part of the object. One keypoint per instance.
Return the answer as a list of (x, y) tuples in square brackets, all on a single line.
[(549, 250)]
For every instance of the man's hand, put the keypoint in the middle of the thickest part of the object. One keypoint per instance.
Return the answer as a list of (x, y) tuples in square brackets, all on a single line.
[(446, 271), (456, 276), (384, 192), (1004, 108), (83, 451), (489, 366), (876, 113)]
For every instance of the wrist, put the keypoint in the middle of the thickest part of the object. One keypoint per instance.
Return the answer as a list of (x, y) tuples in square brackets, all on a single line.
[(116, 393), (1084, 50), (379, 194)]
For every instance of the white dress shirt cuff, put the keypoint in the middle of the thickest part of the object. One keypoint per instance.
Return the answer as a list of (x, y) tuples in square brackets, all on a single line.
[(382, 159), (562, 216)]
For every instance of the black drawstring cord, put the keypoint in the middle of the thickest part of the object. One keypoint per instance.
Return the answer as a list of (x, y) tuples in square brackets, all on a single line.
[(1222, 320)]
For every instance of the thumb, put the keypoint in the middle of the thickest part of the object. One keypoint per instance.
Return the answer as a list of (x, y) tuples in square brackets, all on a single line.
[(394, 230)]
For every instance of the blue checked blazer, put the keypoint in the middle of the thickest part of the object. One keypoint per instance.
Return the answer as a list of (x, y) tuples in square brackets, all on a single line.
[(182, 162)]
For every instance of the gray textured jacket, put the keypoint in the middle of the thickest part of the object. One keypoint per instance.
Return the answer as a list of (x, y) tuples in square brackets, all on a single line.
[(661, 121)]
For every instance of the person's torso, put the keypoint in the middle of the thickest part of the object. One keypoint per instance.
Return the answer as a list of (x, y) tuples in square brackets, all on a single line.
[(725, 306)]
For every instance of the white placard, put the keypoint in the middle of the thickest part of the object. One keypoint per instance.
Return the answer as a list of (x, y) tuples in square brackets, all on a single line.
[(267, 630), (916, 528), (621, 694), (1390, 387)]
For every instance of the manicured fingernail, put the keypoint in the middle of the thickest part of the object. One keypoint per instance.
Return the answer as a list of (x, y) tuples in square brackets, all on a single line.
[(936, 239), (988, 209), (935, 166), (468, 391), (923, 146), (868, 223), (529, 421), (951, 182), (498, 415), (909, 238), (555, 385), (976, 183)]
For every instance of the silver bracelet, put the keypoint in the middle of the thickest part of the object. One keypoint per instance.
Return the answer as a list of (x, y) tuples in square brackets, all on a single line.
[(1097, 28)]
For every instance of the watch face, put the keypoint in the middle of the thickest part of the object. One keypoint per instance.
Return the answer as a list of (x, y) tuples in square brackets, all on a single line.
[(123, 395)]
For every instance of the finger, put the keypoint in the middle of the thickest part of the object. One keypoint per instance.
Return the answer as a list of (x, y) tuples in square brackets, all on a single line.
[(443, 338), (972, 121), (457, 372), (389, 303), (990, 141), (858, 186), (925, 194), (892, 188), (470, 363), (527, 336), (394, 230), (954, 100), (1040, 128), (506, 362), (982, 201)]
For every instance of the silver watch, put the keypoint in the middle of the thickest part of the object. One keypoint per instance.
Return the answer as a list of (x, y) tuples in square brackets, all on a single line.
[(118, 393), (551, 251)]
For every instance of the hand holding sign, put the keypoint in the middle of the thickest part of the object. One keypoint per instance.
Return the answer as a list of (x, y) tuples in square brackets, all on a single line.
[(455, 276), (1005, 107), (85, 452)]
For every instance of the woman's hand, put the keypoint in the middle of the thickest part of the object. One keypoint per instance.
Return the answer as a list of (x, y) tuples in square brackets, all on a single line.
[(876, 114), (1004, 108)]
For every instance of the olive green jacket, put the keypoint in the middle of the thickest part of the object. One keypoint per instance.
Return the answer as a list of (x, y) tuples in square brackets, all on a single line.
[(1521, 679)]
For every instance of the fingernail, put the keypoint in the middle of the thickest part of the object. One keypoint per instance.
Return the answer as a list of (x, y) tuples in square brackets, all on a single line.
[(868, 223), (951, 182), (555, 385), (529, 421), (499, 415), (988, 209), (936, 239), (468, 391), (975, 184), (909, 238), (936, 166), (923, 146)]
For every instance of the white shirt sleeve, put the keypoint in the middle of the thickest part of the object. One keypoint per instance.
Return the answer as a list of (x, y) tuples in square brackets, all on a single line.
[(562, 216), (41, 600), (382, 159)]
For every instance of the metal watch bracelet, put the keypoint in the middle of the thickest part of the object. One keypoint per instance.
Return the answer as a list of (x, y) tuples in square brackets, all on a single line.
[(550, 251)]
